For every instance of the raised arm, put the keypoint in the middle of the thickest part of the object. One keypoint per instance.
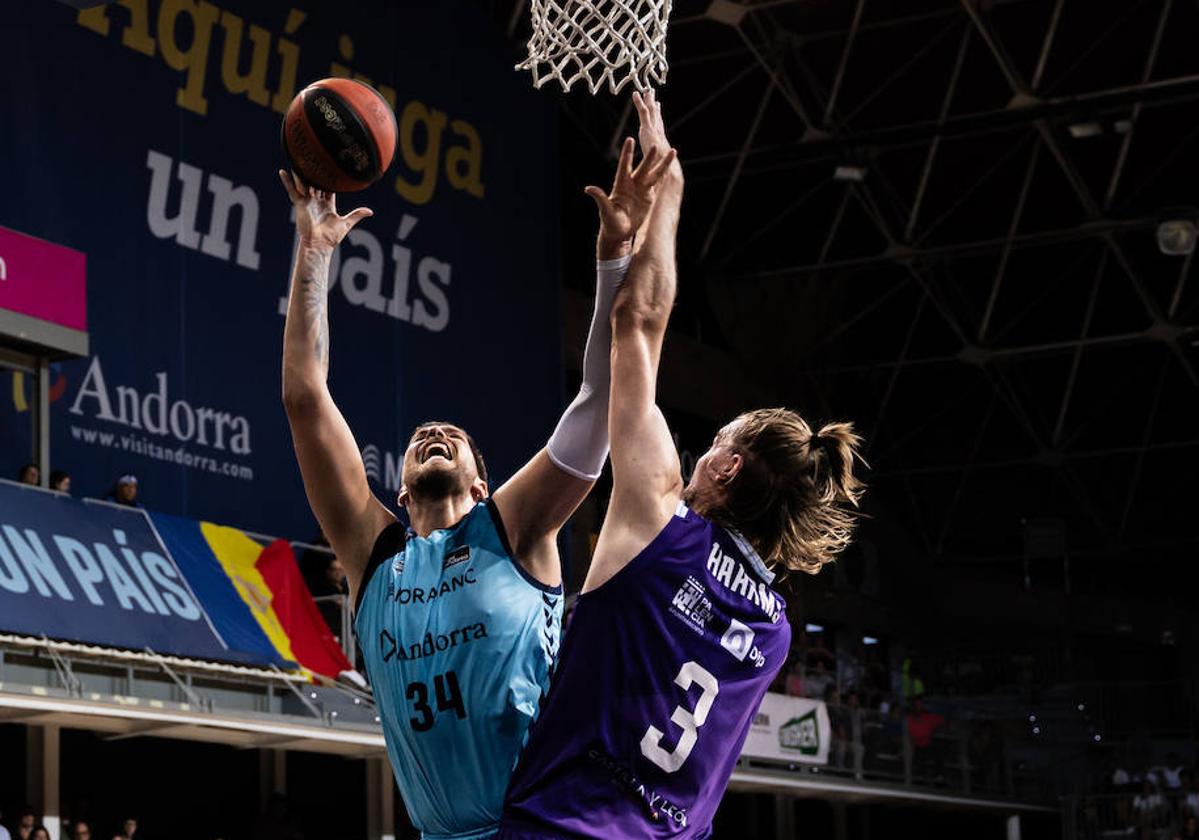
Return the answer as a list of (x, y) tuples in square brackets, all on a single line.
[(330, 462), (647, 481), (538, 500)]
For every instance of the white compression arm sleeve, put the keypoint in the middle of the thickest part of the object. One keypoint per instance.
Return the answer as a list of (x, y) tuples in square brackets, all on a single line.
[(579, 444)]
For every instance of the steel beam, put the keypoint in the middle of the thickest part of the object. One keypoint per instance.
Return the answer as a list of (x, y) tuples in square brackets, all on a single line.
[(1047, 45), (844, 62), (1001, 57), (736, 173), (1033, 460), (890, 389), (964, 476), (900, 255), (1176, 298), (1146, 74), (954, 76), (897, 73), (1117, 24), (1005, 254), (1146, 435), (964, 195), (823, 146), (1026, 351), (1068, 393), (776, 79)]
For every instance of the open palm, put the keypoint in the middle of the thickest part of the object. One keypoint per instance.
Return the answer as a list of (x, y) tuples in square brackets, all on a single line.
[(624, 209)]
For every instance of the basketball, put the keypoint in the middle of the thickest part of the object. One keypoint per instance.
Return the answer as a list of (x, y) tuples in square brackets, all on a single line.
[(339, 135)]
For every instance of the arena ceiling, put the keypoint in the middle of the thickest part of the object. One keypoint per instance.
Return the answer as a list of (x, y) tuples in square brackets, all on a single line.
[(938, 219)]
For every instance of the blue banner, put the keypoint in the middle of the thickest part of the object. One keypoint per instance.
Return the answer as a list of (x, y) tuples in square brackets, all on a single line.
[(145, 133), (101, 574), (94, 573)]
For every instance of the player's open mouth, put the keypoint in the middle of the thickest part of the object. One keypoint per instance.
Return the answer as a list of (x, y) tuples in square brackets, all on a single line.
[(437, 448)]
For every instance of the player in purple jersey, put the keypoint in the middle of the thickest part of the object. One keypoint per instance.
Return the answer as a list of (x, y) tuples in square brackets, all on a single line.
[(678, 631)]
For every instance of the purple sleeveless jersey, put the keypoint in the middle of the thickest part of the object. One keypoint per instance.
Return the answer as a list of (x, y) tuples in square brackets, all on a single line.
[(662, 670)]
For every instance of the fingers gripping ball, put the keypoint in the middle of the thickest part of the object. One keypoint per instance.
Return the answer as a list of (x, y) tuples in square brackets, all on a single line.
[(339, 135)]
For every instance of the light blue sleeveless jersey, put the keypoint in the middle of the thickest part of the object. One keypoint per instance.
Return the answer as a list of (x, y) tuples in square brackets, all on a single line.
[(459, 644)]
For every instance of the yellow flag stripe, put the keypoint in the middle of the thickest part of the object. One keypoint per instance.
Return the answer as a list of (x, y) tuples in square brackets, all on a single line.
[(18, 391), (238, 555)]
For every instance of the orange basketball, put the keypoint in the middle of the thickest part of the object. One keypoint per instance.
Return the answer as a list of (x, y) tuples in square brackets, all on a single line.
[(339, 135)]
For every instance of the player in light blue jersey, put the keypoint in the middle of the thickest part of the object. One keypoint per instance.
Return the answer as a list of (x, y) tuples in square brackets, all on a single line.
[(459, 615)]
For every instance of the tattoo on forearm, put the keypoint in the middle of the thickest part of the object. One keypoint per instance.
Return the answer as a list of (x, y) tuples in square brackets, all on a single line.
[(316, 311), (312, 279)]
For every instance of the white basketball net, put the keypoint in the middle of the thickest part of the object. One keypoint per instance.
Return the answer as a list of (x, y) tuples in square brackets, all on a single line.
[(598, 41)]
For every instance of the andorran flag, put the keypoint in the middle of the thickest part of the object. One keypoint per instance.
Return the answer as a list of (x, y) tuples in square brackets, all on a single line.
[(254, 596)]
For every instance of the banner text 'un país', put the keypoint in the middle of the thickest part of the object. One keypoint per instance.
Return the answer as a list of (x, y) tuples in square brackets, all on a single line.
[(94, 573), (145, 135)]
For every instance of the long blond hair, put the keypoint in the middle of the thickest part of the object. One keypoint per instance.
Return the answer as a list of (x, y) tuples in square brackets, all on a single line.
[(796, 496)]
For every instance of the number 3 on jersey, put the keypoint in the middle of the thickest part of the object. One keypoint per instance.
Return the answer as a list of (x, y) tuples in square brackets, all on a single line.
[(692, 673)]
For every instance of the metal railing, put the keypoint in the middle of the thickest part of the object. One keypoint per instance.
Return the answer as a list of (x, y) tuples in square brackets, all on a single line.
[(967, 756), (1140, 816), (345, 628)]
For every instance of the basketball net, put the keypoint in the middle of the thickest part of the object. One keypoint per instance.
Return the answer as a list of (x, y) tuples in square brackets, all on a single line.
[(611, 42)]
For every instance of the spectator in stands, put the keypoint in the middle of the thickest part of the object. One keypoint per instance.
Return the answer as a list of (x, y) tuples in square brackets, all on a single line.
[(853, 710), (985, 757), (124, 492), (1169, 775), (795, 679), (1149, 810), (4, 835), (26, 823), (40, 832), (838, 719), (30, 474), (817, 681), (325, 575), (60, 480), (1121, 780), (913, 681), (129, 826), (80, 830), (886, 747), (922, 725), (818, 653), (877, 678), (1188, 798)]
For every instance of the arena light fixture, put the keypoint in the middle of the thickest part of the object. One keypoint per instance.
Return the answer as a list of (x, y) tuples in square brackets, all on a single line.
[(728, 13), (850, 172), (1176, 237), (869, 640), (1082, 130), (814, 628)]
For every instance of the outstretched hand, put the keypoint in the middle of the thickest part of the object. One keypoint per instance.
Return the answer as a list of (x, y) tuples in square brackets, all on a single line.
[(316, 213), (652, 130), (624, 209)]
